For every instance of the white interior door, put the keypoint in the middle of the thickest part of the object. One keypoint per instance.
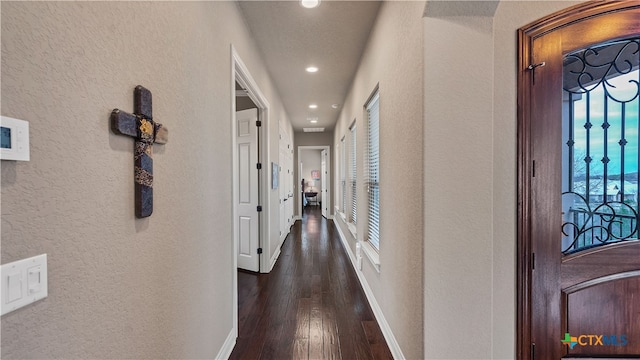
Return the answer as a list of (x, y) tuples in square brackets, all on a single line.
[(323, 181), (282, 190), (290, 185), (286, 184), (248, 221)]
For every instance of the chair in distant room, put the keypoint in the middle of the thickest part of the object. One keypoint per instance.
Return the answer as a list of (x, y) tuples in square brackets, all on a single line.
[(310, 193)]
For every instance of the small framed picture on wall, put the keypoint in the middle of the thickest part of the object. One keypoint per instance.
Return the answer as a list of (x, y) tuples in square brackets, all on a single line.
[(315, 174)]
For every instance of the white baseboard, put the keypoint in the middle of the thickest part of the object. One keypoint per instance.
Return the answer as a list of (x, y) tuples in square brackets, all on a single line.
[(274, 258), (282, 237), (394, 347), (227, 347)]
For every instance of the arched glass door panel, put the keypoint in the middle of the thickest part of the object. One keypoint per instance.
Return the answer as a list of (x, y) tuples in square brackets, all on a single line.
[(600, 139)]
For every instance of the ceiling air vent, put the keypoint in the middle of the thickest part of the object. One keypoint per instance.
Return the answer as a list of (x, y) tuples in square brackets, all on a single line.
[(317, 129)]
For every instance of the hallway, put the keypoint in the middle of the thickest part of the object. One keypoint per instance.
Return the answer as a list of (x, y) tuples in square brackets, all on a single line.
[(311, 305), (443, 282)]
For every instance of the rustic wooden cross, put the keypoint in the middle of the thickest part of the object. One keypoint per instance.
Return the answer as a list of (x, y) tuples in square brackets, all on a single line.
[(145, 131)]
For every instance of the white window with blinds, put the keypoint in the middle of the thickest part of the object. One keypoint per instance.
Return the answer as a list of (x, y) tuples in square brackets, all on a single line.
[(343, 176), (353, 175), (372, 170)]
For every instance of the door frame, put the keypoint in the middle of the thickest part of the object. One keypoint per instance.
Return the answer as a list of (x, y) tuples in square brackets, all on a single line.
[(525, 258), (323, 178), (328, 176), (241, 74)]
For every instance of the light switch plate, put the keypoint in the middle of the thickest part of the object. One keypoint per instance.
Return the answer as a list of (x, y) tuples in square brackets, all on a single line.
[(23, 282)]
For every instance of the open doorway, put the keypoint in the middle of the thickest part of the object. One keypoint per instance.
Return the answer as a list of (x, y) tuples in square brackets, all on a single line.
[(314, 179), (250, 203)]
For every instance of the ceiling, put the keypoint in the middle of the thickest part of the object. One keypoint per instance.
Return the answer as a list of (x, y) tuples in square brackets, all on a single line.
[(331, 37)]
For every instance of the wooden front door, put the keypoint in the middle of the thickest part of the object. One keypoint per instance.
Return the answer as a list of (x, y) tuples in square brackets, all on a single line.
[(578, 247)]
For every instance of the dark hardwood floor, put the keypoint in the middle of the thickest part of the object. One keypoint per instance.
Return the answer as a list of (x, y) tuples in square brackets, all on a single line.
[(311, 305)]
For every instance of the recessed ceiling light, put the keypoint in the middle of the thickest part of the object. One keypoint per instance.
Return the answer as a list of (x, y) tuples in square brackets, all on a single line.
[(314, 121), (309, 4), (312, 69), (335, 106), (313, 106), (313, 129)]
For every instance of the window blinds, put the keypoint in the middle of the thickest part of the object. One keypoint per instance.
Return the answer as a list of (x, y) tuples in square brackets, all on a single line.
[(343, 175), (353, 174), (372, 170)]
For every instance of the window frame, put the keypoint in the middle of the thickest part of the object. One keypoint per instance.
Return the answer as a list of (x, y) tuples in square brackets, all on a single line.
[(372, 169), (372, 249), (343, 177)]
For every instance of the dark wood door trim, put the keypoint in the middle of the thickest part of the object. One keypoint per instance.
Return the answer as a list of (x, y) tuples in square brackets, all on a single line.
[(526, 165)]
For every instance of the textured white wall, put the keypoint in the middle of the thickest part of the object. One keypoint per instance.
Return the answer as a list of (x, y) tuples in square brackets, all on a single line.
[(470, 177), (393, 59), (458, 178), (119, 287)]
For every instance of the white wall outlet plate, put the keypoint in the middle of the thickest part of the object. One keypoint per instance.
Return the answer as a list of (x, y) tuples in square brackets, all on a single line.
[(23, 282)]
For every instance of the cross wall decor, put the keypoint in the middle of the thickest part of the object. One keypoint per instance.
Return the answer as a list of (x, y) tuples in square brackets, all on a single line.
[(145, 131)]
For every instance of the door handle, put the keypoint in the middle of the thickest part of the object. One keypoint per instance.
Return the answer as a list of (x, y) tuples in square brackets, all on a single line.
[(286, 199)]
